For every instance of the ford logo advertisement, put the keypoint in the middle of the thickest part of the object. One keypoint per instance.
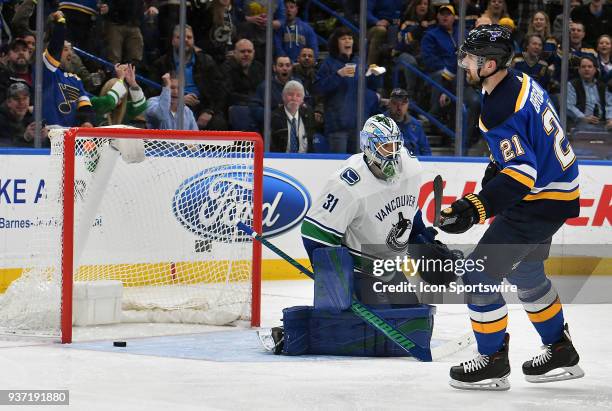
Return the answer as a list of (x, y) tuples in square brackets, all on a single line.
[(210, 202)]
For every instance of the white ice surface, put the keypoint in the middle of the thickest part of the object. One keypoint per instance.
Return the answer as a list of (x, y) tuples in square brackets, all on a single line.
[(102, 380)]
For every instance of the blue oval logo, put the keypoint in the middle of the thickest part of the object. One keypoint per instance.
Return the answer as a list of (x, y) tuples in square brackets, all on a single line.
[(210, 202)]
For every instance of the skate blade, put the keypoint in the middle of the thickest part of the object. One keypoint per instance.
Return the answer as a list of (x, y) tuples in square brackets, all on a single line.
[(492, 384), (558, 374), (266, 340)]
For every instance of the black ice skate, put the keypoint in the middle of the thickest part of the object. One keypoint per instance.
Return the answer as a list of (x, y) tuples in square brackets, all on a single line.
[(485, 372), (557, 362)]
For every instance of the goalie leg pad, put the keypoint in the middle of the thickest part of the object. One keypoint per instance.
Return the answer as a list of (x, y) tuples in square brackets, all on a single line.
[(333, 269), (310, 331)]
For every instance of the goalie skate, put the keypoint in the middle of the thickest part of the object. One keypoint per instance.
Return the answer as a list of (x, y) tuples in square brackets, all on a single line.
[(272, 339), (557, 362)]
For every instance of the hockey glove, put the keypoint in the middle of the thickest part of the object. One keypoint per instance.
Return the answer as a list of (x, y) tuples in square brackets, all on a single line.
[(463, 214), (491, 172)]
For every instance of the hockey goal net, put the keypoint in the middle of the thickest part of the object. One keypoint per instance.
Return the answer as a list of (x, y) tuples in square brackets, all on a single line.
[(154, 210)]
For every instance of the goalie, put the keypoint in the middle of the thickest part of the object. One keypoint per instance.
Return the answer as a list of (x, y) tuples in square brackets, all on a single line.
[(369, 207)]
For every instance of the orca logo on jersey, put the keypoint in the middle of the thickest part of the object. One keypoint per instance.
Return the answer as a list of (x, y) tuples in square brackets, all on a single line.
[(210, 202), (397, 239)]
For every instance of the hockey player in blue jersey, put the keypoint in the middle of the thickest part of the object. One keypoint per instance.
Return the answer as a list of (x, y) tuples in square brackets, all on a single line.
[(531, 187)]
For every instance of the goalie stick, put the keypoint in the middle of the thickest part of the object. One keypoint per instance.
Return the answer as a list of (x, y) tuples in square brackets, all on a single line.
[(397, 337), (437, 190)]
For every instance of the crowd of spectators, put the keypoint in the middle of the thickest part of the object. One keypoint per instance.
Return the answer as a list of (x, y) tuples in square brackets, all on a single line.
[(314, 82)]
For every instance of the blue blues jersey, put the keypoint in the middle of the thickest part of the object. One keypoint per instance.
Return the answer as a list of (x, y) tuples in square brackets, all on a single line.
[(64, 98), (525, 137), (63, 94)]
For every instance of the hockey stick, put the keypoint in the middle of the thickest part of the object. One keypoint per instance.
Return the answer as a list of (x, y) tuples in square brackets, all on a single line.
[(437, 189), (397, 337)]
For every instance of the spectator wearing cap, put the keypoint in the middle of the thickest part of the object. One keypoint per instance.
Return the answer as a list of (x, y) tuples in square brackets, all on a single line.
[(293, 124), (17, 67), (16, 122), (294, 35), (589, 101), (439, 51), (597, 19), (382, 16), (411, 128)]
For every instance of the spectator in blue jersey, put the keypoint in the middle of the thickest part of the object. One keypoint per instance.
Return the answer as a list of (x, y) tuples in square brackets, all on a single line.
[(589, 102), (161, 111), (65, 102), (294, 35), (438, 51), (336, 84), (418, 17), (383, 17), (530, 61), (254, 13), (415, 139)]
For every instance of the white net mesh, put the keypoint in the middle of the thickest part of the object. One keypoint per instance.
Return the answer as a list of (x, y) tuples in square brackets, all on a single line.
[(163, 226)]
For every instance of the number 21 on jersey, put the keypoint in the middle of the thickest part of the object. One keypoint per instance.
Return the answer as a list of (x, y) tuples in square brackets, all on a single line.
[(551, 124)]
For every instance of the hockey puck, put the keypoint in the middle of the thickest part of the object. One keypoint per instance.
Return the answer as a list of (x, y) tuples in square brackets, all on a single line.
[(119, 344)]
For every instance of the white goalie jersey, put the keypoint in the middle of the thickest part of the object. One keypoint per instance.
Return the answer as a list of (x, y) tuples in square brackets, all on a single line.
[(372, 217)]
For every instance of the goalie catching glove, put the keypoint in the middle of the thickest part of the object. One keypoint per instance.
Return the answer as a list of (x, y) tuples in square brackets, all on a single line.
[(463, 214)]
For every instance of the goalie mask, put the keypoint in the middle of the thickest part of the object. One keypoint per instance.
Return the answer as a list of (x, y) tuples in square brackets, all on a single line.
[(381, 142)]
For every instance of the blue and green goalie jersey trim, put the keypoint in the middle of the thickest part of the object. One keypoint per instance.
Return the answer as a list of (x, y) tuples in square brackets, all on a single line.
[(538, 166)]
